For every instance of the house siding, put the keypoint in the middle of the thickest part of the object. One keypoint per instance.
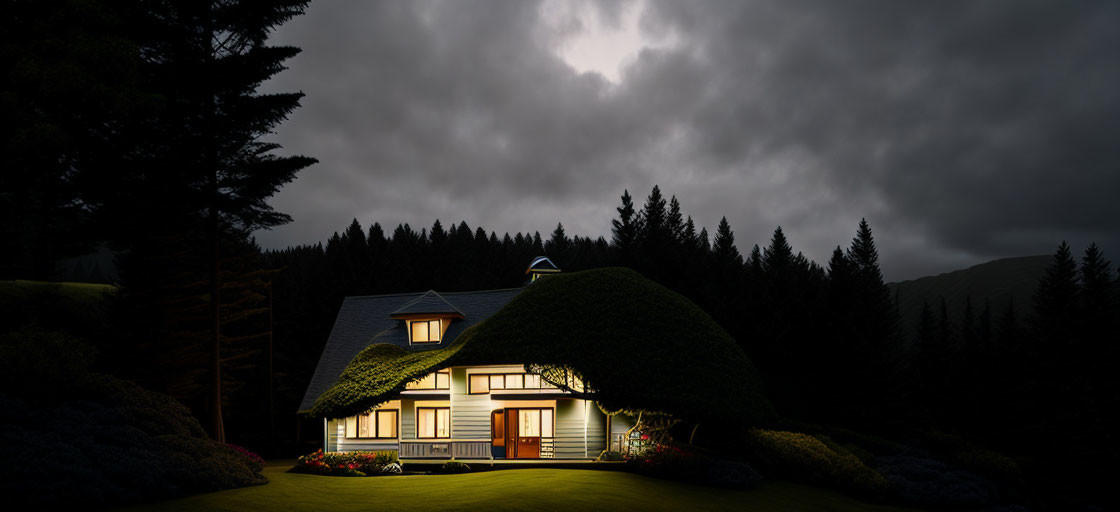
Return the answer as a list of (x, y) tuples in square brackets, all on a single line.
[(580, 429), (470, 414)]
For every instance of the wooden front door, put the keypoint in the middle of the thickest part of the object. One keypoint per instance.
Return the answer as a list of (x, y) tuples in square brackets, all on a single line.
[(511, 433), (523, 433)]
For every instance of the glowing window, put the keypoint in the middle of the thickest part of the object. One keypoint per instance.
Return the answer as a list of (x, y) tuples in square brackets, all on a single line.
[(546, 422), (529, 423), (479, 384), (433, 422), (386, 424), (438, 380), (425, 331), (379, 424)]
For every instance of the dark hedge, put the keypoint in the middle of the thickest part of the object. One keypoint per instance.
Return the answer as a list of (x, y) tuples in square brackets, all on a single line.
[(641, 346), (70, 435)]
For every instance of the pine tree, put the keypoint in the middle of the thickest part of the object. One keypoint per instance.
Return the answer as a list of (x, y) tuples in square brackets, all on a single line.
[(724, 251), (674, 222), (625, 230), (1055, 303), (705, 245), (211, 57), (559, 246)]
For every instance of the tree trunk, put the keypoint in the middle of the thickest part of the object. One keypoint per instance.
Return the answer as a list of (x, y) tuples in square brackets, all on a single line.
[(217, 427)]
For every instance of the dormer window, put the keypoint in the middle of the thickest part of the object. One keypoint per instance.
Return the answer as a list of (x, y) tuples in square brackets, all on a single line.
[(425, 331)]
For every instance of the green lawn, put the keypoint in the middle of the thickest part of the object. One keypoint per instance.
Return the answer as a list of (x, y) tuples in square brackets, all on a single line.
[(521, 489)]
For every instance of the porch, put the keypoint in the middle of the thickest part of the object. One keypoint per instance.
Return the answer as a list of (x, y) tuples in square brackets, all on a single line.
[(467, 449)]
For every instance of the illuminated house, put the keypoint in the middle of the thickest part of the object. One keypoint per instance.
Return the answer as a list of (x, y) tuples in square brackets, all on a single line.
[(488, 411), (526, 373)]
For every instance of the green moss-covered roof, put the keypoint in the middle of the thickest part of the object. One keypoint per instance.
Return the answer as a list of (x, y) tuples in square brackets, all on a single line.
[(639, 345)]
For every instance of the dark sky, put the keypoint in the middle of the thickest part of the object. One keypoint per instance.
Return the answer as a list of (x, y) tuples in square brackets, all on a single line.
[(963, 131)]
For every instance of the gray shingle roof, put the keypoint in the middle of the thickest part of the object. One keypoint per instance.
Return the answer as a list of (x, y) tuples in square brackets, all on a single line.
[(429, 302), (365, 320)]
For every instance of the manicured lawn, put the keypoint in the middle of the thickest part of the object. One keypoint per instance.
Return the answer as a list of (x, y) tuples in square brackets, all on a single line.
[(521, 489)]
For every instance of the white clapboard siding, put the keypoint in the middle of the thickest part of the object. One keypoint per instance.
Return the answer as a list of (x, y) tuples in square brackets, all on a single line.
[(470, 414)]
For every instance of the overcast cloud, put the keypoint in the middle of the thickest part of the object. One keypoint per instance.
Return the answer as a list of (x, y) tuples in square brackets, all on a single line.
[(963, 131)]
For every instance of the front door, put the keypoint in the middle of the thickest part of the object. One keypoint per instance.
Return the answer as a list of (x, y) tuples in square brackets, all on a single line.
[(523, 432)]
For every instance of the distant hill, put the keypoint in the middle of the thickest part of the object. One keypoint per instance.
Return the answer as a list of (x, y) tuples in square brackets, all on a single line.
[(998, 282)]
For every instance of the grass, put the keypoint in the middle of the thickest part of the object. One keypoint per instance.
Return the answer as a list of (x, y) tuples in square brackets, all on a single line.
[(85, 292), (520, 489)]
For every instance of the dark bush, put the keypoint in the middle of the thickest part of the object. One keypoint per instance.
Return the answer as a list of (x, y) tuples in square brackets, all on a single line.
[(70, 435), (929, 482), (610, 456), (804, 458), (688, 465), (454, 466)]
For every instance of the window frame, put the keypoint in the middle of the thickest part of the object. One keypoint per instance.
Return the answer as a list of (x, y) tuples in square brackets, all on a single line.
[(506, 377), (374, 417), (435, 380), (429, 322), (435, 420)]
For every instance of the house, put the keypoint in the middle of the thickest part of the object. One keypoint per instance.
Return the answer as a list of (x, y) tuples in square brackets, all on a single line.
[(486, 411), (527, 373)]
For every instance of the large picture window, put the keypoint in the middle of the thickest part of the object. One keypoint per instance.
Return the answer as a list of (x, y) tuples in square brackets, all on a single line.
[(425, 331), (438, 380), (379, 424), (433, 422)]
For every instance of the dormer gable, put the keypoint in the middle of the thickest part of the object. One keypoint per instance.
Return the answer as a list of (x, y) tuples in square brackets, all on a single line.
[(430, 304), (426, 318)]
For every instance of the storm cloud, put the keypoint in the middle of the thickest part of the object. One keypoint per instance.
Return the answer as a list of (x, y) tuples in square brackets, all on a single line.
[(963, 131)]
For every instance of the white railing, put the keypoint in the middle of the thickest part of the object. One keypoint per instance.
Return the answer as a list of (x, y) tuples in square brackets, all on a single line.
[(548, 448)]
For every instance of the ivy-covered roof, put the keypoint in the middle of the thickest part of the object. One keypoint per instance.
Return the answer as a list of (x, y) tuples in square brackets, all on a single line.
[(367, 320), (639, 345)]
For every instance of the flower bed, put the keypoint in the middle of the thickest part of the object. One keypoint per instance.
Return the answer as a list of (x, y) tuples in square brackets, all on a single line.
[(349, 463)]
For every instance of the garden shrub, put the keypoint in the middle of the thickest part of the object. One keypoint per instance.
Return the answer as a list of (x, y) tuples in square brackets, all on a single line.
[(688, 465), (930, 482), (610, 456), (72, 435), (357, 463), (805, 458), (255, 461), (454, 466)]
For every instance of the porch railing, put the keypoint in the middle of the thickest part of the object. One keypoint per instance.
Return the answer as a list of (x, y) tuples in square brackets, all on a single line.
[(445, 449), (548, 448)]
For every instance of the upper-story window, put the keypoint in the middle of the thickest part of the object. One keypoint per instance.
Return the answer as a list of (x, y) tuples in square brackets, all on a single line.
[(425, 331), (438, 380), (480, 383)]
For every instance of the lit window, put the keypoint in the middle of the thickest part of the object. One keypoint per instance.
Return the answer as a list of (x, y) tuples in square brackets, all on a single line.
[(425, 331), (433, 422), (479, 384), (546, 422), (515, 381), (497, 382), (529, 424), (532, 381), (438, 380), (379, 424), (386, 424)]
